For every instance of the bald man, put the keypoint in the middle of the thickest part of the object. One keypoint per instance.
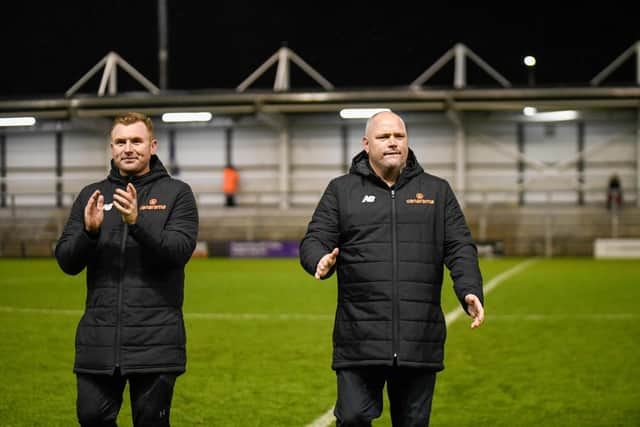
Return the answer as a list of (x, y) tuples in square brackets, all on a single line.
[(389, 228)]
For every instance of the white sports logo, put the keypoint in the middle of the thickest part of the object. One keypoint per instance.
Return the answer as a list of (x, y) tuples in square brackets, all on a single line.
[(107, 206), (368, 198)]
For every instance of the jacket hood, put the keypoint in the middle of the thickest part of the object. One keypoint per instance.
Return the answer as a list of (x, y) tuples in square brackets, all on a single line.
[(157, 171), (360, 166)]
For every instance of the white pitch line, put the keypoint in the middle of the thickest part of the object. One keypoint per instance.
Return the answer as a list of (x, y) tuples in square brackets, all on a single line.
[(258, 316), (294, 316), (327, 418), (57, 311), (565, 317), (324, 420), (213, 316), (491, 285)]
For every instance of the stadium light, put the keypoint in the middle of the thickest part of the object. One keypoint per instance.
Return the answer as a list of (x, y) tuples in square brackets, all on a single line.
[(529, 111), (554, 116), (186, 117), (360, 113), (530, 62), (17, 121)]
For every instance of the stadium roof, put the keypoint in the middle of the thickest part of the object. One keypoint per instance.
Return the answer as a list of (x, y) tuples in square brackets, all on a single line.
[(47, 46), (301, 102), (368, 53)]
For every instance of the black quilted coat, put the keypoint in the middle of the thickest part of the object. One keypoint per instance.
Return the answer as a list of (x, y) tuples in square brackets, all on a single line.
[(135, 275), (394, 243)]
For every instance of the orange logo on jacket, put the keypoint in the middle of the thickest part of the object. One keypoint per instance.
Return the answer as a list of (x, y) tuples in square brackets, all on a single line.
[(420, 200), (153, 206)]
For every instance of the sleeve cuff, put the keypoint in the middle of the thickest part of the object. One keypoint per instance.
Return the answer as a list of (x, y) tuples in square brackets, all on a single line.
[(92, 235)]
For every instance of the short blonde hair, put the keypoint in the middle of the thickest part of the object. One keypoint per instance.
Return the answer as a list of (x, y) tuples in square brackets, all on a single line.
[(131, 118)]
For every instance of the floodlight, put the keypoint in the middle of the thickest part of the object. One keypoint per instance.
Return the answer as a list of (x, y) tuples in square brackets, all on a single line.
[(360, 113), (556, 116), (17, 121), (186, 117)]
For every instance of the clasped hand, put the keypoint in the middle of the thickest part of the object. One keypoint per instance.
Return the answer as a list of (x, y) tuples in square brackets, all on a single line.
[(126, 202)]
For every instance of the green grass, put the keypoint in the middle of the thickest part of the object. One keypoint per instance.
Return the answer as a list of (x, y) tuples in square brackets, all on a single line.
[(560, 347)]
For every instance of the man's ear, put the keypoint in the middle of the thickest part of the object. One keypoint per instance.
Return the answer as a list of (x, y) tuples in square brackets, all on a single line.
[(365, 144), (154, 146)]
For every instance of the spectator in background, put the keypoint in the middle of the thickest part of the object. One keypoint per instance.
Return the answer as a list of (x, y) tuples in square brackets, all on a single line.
[(388, 228), (230, 180), (614, 193), (134, 232)]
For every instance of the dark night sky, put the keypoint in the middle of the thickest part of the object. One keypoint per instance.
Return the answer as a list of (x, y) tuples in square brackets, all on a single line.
[(48, 46)]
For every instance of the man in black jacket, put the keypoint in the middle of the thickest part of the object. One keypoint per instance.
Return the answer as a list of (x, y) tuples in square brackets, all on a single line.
[(388, 228), (134, 232)]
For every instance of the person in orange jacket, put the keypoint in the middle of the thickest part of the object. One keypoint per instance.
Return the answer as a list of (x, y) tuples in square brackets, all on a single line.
[(230, 179)]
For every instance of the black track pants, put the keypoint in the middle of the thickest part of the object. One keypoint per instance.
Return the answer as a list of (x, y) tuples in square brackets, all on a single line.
[(100, 398), (360, 395)]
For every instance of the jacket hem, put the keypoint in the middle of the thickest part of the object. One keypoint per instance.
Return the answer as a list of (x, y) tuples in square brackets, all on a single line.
[(387, 362), (179, 370)]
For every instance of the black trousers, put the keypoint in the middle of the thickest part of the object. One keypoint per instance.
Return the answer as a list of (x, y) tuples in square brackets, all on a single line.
[(230, 200), (360, 395), (100, 399)]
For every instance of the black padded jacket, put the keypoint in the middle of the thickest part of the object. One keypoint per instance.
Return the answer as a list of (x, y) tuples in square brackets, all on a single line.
[(394, 243), (135, 275)]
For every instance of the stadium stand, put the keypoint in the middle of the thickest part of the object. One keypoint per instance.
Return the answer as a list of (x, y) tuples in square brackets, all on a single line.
[(535, 183)]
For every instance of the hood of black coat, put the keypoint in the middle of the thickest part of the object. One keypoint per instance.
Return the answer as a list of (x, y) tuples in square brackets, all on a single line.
[(360, 166), (157, 171)]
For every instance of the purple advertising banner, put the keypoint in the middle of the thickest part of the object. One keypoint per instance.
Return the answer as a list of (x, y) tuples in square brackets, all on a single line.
[(264, 249)]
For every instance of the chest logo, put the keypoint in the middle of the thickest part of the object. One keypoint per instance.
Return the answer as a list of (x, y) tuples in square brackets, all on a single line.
[(420, 200), (153, 206), (368, 198), (107, 206)]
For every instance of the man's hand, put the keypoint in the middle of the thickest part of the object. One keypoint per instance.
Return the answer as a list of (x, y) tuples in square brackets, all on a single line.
[(93, 212), (475, 309), (325, 263), (126, 202)]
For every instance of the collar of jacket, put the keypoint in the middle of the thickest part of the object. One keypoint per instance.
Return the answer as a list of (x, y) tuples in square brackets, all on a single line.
[(360, 166), (157, 171)]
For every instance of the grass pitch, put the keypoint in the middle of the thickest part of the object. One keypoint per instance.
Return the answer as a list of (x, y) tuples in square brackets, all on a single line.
[(560, 346)]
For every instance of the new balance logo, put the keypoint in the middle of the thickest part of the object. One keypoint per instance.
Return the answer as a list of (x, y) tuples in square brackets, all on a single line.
[(368, 199)]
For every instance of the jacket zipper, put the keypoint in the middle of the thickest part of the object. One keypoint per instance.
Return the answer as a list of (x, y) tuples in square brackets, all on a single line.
[(123, 246), (394, 278)]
